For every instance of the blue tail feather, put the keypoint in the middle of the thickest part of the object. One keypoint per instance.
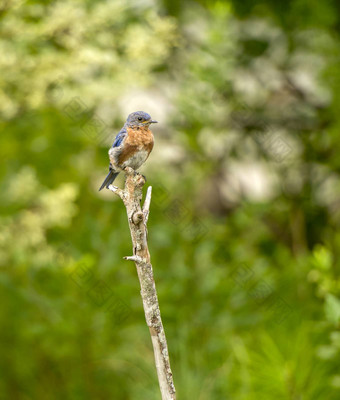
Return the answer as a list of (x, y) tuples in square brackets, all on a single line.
[(111, 176)]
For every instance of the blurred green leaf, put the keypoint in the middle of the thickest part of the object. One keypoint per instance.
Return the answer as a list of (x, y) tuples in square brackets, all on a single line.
[(332, 309)]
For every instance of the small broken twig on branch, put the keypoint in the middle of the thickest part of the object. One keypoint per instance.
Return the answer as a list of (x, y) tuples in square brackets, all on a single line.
[(138, 218)]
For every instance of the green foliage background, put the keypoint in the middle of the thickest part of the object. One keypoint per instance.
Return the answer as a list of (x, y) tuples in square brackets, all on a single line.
[(244, 225)]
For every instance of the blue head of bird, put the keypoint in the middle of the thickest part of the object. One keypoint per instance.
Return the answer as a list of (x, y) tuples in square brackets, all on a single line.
[(139, 118)]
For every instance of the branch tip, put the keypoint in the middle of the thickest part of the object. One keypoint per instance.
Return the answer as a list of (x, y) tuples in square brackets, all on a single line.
[(147, 202), (116, 190), (134, 258)]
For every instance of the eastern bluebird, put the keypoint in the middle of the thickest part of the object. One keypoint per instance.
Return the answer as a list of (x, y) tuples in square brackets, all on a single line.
[(131, 147)]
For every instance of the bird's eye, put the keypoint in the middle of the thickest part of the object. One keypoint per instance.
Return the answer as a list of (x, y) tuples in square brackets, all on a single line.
[(140, 119)]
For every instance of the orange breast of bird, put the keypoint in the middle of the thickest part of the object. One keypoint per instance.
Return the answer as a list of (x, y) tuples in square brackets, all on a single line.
[(138, 139)]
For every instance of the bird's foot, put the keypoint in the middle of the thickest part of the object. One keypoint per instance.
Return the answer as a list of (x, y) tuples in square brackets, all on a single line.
[(129, 171), (139, 174)]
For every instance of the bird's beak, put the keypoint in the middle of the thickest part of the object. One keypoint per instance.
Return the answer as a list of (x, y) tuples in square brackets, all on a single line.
[(153, 122)]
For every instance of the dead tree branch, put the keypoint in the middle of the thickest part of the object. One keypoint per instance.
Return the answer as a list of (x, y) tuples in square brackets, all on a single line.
[(138, 218)]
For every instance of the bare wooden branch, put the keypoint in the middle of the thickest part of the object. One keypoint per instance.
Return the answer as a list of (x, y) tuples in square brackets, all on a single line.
[(134, 258), (138, 217), (119, 192), (147, 202)]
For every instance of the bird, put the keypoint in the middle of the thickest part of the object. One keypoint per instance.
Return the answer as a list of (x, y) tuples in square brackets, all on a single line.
[(131, 147)]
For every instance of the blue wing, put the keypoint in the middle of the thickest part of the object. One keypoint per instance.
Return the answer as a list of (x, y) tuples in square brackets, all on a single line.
[(119, 138)]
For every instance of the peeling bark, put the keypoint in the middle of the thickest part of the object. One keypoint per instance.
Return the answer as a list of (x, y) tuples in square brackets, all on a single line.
[(138, 217)]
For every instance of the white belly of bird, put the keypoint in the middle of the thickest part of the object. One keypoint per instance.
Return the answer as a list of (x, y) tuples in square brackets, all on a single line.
[(136, 160)]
